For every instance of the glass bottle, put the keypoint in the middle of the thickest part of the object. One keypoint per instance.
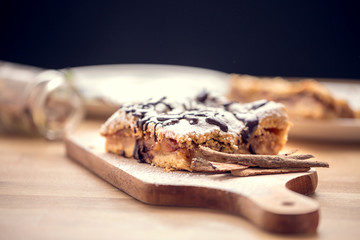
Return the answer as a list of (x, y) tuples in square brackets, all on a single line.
[(37, 102)]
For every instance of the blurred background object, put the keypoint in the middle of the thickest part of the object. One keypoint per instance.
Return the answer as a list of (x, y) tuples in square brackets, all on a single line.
[(37, 102), (264, 38)]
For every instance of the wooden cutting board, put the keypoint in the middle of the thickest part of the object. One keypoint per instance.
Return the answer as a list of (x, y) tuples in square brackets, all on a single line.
[(271, 202)]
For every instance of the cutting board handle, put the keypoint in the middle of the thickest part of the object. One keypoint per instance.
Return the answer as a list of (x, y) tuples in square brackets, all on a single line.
[(283, 211)]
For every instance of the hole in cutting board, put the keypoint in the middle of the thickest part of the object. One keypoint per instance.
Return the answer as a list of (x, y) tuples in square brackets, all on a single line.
[(288, 203)]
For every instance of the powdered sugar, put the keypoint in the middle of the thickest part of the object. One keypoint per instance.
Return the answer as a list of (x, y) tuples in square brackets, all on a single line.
[(194, 118)]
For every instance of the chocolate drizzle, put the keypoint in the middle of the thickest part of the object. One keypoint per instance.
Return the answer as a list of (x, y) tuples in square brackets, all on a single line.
[(223, 127), (150, 112), (202, 96), (141, 152), (227, 105), (250, 121), (138, 152), (258, 104)]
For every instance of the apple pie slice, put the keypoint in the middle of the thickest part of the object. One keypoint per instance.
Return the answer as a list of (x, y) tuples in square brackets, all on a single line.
[(168, 133), (305, 99)]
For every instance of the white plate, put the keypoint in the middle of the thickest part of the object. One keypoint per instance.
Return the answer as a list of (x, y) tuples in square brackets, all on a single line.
[(341, 130), (106, 87)]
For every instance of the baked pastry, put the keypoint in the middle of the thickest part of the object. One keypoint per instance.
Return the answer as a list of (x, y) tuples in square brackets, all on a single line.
[(307, 98), (168, 133)]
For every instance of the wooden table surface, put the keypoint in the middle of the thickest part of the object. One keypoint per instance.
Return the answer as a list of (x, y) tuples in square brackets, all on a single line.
[(45, 195)]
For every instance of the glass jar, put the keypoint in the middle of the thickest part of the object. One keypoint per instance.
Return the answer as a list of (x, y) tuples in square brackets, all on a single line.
[(37, 102)]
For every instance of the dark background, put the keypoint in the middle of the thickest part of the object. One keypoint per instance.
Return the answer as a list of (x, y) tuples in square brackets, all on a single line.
[(287, 38)]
